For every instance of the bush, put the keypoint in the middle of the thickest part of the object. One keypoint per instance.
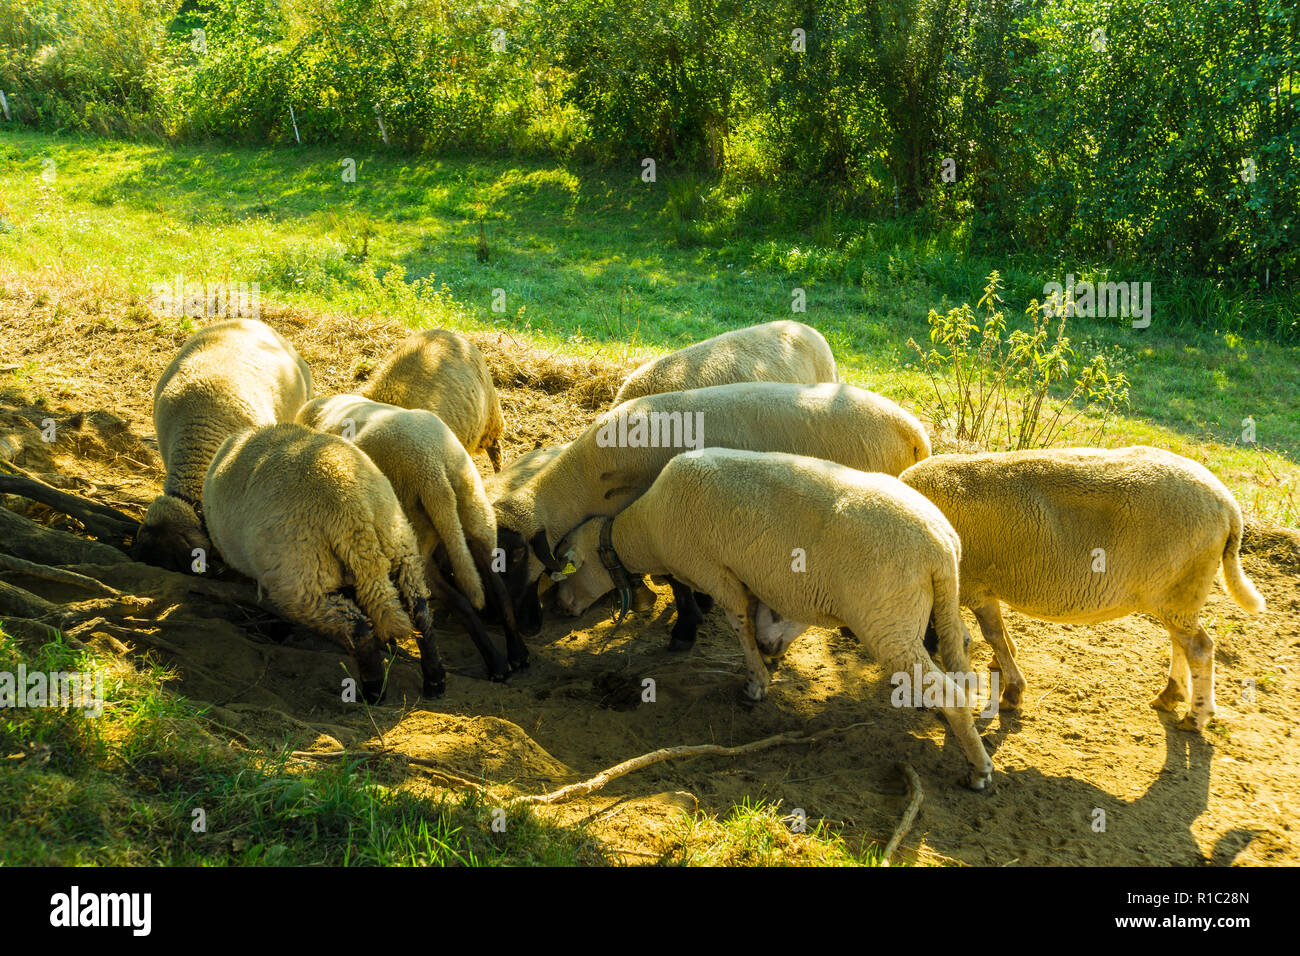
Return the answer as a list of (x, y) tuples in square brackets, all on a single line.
[(96, 65), (992, 387)]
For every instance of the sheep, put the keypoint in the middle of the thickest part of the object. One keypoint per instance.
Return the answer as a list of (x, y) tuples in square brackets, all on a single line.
[(443, 497), (622, 452), (782, 351), (446, 374), (226, 377), (785, 542), (307, 515), (1083, 535), (521, 470)]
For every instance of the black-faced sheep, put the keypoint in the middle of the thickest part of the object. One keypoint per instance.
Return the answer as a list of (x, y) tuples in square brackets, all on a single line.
[(308, 515), (785, 542), (442, 495), (782, 351), (226, 377), (1082, 535), (446, 374)]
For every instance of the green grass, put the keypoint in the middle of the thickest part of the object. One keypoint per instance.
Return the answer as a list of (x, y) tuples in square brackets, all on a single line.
[(598, 261), (123, 788), (759, 834)]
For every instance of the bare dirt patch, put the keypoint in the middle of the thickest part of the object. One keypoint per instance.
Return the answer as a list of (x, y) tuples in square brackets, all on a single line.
[(1086, 740)]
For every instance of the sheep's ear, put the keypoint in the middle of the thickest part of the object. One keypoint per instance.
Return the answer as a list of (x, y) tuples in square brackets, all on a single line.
[(569, 565)]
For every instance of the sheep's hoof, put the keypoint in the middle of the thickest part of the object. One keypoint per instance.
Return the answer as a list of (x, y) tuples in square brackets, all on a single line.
[(519, 663), (372, 691), (681, 643), (435, 688), (1011, 696), (499, 678), (754, 691), (979, 780), (1192, 725), (1169, 698)]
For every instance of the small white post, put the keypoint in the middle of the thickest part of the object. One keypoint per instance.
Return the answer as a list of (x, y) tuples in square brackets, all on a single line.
[(294, 120)]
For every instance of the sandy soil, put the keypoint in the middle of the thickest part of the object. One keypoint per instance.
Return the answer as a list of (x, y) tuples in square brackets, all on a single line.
[(1085, 741)]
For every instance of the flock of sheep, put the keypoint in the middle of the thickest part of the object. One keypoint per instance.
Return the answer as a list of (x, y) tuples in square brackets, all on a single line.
[(739, 469)]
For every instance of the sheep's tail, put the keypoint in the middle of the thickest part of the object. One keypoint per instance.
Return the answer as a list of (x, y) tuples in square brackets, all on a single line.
[(1239, 586), (364, 554), (439, 505), (947, 620)]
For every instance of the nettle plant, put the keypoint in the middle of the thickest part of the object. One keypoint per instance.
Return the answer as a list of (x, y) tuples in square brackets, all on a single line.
[(999, 389)]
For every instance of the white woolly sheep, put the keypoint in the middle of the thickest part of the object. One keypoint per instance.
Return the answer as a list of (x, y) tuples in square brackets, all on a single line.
[(442, 495), (446, 374), (1083, 535), (877, 558), (226, 377), (782, 351), (520, 471), (306, 515), (618, 457)]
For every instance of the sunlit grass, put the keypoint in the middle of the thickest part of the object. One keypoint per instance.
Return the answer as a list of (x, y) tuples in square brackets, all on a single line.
[(764, 834), (600, 262)]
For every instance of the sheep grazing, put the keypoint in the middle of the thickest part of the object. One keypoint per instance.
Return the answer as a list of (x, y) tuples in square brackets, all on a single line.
[(1082, 535), (522, 470), (619, 456), (446, 374), (226, 377), (778, 539), (781, 351), (308, 515), (442, 495)]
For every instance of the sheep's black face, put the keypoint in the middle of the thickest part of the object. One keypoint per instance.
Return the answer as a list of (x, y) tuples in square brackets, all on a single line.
[(521, 591), (931, 637), (167, 548), (170, 535)]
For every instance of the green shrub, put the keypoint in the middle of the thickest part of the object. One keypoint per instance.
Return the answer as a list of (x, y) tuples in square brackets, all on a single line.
[(992, 388)]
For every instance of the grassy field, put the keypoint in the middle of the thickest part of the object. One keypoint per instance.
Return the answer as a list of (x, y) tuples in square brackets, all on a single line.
[(591, 261)]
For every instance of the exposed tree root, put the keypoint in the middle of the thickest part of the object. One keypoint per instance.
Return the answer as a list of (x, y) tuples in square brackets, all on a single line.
[(59, 575), (915, 797), (595, 783), (105, 523), (24, 538)]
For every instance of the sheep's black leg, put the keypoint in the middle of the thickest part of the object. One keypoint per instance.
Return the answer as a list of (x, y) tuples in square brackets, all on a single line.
[(496, 663), (704, 602), (435, 675), (689, 616), (370, 661), (498, 602)]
